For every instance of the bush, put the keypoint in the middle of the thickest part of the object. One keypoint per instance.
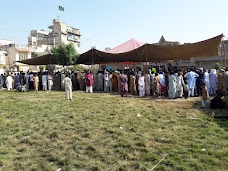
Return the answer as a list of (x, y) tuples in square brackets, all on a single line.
[(42, 67)]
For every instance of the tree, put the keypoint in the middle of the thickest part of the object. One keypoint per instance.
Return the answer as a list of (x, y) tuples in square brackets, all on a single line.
[(65, 54), (42, 67), (76, 68), (217, 66)]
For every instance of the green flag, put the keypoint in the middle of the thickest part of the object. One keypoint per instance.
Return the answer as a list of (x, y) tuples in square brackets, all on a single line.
[(61, 8)]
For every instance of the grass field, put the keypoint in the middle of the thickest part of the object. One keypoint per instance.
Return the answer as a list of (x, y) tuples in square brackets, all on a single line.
[(43, 131)]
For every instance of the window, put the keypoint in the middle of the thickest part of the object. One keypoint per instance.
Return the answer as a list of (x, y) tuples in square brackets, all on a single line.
[(73, 37)]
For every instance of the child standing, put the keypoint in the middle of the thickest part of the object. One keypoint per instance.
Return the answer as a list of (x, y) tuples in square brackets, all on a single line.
[(205, 95), (185, 89)]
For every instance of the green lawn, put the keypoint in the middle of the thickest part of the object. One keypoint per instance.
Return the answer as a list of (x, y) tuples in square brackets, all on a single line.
[(43, 131)]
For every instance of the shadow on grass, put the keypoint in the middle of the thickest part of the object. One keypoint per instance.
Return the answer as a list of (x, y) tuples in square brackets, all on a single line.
[(222, 122)]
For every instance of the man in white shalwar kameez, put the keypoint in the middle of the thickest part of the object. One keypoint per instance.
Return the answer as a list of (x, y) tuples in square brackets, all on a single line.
[(180, 83), (44, 81), (50, 81), (68, 87), (172, 86), (106, 79), (9, 82), (162, 81), (207, 79), (191, 76), (213, 82), (141, 85)]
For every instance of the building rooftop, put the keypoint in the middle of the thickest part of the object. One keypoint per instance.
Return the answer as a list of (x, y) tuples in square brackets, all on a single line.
[(22, 49), (42, 32), (4, 42), (162, 41), (69, 29)]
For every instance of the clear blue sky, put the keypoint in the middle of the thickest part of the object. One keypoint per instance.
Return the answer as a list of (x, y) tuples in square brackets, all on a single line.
[(106, 23)]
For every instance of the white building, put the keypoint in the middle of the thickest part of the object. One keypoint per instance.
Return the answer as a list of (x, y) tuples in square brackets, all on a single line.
[(16, 53), (3, 55), (40, 40), (4, 42)]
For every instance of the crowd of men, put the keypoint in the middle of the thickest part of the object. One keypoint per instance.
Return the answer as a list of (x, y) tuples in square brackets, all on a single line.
[(173, 83), (25, 82)]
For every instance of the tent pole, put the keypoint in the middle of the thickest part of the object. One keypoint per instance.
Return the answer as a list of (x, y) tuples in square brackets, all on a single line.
[(141, 57), (122, 67), (92, 56), (146, 58)]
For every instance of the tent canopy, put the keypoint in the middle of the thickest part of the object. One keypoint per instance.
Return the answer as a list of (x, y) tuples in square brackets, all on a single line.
[(154, 53), (127, 46), (42, 60)]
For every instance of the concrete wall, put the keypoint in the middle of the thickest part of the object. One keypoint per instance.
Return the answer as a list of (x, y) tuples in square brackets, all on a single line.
[(210, 64), (2, 58), (11, 55)]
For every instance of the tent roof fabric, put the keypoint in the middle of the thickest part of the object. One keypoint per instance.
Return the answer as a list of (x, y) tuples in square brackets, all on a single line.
[(127, 46), (42, 60), (154, 53)]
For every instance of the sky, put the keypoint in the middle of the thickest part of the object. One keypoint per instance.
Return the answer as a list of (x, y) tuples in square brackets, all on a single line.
[(108, 23)]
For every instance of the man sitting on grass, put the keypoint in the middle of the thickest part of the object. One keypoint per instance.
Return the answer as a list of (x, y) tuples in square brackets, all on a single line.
[(20, 88)]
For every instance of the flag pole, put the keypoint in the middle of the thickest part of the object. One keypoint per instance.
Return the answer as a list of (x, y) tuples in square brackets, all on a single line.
[(61, 8)]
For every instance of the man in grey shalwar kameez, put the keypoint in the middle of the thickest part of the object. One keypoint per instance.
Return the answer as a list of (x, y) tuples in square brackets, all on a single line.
[(172, 85)]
